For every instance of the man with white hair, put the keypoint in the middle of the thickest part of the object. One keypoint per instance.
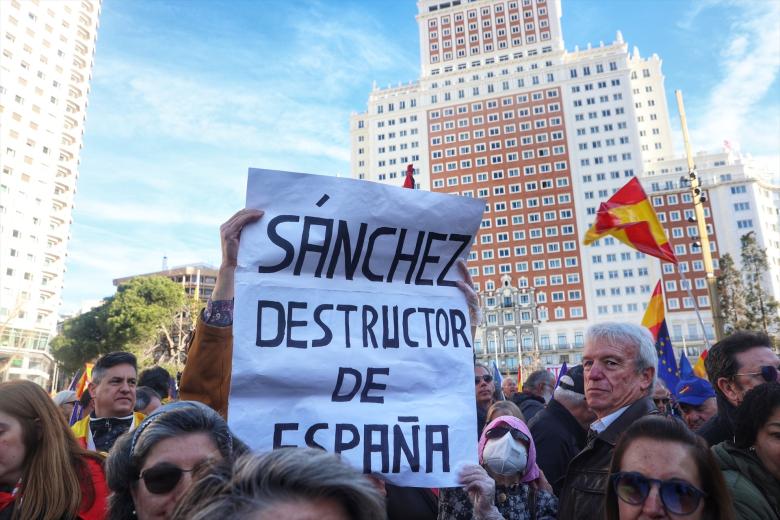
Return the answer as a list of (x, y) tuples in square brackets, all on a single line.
[(619, 362), (509, 387)]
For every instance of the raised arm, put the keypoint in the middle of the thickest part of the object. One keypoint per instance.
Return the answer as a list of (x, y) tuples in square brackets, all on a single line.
[(206, 376)]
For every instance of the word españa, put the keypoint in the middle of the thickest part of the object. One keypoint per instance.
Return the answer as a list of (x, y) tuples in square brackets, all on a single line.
[(376, 438), (384, 327), (417, 259)]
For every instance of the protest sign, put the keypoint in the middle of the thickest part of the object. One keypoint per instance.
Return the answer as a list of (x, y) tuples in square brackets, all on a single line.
[(349, 331)]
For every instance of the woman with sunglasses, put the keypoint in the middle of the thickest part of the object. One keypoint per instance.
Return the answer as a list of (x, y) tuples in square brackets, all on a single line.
[(150, 468), (505, 484), (44, 473), (751, 465), (484, 392), (660, 469)]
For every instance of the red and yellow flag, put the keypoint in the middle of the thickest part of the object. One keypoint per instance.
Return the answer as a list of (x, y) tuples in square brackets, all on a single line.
[(698, 368), (84, 380), (654, 314), (629, 217)]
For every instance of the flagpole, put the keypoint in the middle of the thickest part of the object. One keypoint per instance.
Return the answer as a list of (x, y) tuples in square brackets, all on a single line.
[(695, 308), (704, 241)]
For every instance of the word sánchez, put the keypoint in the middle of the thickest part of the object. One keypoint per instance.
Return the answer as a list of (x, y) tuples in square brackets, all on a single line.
[(412, 254), (394, 447)]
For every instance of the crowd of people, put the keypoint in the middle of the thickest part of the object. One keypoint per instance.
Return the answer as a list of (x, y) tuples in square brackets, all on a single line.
[(604, 440)]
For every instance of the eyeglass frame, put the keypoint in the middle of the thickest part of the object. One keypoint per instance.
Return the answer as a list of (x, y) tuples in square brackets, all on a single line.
[(487, 378), (615, 477), (181, 471), (762, 373)]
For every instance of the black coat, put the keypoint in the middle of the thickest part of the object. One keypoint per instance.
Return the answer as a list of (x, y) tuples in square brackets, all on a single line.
[(585, 485), (529, 404), (558, 438), (719, 428)]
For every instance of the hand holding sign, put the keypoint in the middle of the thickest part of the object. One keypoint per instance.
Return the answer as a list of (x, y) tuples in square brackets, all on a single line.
[(348, 314)]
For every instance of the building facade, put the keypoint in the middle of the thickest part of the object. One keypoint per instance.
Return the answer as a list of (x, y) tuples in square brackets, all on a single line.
[(198, 280), (504, 112), (45, 70)]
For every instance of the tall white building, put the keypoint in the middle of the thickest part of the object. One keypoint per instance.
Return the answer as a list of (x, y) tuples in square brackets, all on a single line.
[(504, 112), (48, 49)]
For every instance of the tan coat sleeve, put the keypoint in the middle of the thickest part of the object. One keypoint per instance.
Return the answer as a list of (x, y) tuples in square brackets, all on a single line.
[(206, 376)]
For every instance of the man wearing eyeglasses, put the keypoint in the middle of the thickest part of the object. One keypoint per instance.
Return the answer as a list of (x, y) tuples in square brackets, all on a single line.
[(619, 363), (735, 365)]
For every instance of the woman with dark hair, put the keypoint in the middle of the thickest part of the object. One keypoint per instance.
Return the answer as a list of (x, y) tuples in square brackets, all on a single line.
[(660, 469), (507, 484), (751, 464), (149, 468), (44, 473), (288, 483)]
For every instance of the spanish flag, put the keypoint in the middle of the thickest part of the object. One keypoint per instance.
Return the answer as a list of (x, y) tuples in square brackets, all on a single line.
[(629, 217), (698, 368), (655, 320)]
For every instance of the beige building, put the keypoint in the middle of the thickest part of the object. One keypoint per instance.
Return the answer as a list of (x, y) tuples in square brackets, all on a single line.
[(505, 112), (48, 50), (198, 280)]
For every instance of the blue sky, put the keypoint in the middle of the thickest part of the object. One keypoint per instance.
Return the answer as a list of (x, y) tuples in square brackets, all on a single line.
[(186, 95)]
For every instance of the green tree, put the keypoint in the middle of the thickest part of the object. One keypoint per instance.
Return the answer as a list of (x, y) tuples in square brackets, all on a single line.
[(745, 302), (761, 305), (83, 337), (732, 294), (151, 317)]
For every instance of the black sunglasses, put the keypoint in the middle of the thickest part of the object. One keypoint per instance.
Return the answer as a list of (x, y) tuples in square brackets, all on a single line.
[(768, 373), (486, 378), (500, 431), (162, 478), (678, 496)]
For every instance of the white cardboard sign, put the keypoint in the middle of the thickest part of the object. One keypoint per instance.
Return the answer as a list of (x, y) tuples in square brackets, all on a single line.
[(349, 332)]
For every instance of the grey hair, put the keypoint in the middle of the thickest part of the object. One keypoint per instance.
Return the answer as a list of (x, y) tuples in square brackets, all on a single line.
[(483, 365), (510, 379), (539, 376), (127, 457), (256, 483), (628, 334)]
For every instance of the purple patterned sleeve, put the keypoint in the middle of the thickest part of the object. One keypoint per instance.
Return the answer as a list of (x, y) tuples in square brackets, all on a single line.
[(218, 313)]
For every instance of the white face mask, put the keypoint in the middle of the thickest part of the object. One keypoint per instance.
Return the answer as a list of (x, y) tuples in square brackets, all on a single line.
[(505, 456)]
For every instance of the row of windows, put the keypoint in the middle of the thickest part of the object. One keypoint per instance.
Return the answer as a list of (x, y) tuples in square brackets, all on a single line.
[(391, 107), (488, 47), (615, 274), (594, 115), (499, 159), (539, 124), (447, 41), (611, 158), (687, 302), (519, 234), (494, 103), (489, 61), (525, 141), (391, 122), (586, 71), (522, 113), (491, 88), (682, 267), (607, 142)]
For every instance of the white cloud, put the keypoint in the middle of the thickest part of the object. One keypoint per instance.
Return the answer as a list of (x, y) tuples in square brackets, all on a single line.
[(743, 106)]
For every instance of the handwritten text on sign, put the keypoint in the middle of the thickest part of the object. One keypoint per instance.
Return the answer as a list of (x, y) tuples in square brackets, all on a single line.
[(350, 333)]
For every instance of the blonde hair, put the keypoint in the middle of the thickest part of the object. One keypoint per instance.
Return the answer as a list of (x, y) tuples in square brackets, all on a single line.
[(53, 466), (500, 408)]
